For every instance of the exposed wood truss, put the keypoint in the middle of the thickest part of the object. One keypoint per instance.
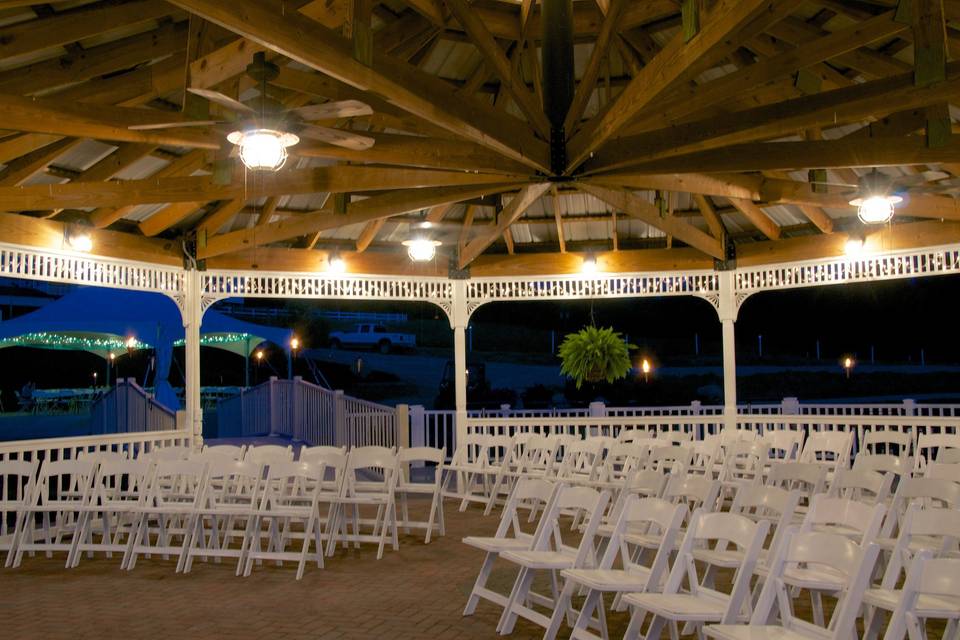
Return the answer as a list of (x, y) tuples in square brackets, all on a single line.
[(739, 136)]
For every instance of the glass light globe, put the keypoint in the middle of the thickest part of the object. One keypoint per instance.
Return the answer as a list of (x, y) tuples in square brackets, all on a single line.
[(81, 242), (421, 250), (337, 264), (589, 265), (263, 149), (875, 209), (853, 247)]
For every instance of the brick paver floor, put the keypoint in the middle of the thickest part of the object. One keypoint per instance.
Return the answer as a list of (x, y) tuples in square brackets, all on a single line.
[(416, 592)]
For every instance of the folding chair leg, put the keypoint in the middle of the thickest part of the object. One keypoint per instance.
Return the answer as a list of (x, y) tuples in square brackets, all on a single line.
[(518, 597), (636, 623), (559, 611), (479, 584)]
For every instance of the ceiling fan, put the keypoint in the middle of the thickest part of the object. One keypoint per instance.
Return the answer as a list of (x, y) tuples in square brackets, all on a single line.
[(931, 181), (265, 114)]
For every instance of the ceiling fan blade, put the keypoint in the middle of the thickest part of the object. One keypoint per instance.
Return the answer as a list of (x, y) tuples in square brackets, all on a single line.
[(174, 125), (337, 137), (328, 110), (221, 99)]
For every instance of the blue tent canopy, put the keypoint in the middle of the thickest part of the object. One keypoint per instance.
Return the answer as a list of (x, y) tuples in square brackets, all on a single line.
[(101, 320)]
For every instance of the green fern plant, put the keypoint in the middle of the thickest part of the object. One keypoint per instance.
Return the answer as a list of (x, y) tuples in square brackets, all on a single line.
[(594, 354)]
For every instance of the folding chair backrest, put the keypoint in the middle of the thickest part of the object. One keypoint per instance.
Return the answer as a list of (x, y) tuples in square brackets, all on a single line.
[(526, 491), (670, 459), (64, 481), (831, 448), (496, 450), (586, 500), (857, 516), (777, 506), (321, 453), (233, 482), (864, 486), (884, 463), (719, 528), (539, 453), (291, 483), (471, 450), (744, 461), (165, 453), (933, 448), (783, 444), (268, 453), (101, 456), (887, 443), (635, 435), (807, 478), (177, 483), (928, 576), (229, 451), (935, 529), (406, 455), (624, 458), (377, 464), (650, 516), (121, 481), (926, 492), (815, 549), (581, 459), (697, 492), (676, 437), (943, 471), (17, 479), (705, 454)]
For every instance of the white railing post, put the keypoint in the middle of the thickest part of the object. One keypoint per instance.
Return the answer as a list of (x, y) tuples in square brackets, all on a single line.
[(727, 310), (192, 313), (504, 410), (340, 420), (458, 321), (790, 407), (418, 426), (598, 410), (403, 426), (909, 407)]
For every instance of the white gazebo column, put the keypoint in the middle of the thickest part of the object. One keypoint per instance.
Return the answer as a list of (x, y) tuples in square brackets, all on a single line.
[(192, 316), (727, 310), (458, 320)]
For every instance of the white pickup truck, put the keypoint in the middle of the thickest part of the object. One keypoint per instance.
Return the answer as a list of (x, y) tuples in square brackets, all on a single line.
[(374, 336)]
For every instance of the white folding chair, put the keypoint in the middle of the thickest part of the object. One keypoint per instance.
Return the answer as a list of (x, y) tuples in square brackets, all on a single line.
[(408, 485), (229, 451), (119, 486), (934, 530), (931, 591), (891, 443), (168, 512), (934, 447), (531, 456), (646, 516), (744, 463), (227, 510), (783, 445), (315, 454), (829, 448), (669, 459), (810, 549), (621, 460), (509, 535), (943, 471), (102, 455), (553, 554), (157, 454), (922, 492), (884, 463), (290, 497), (468, 467), (864, 486), (635, 435), (702, 604), (267, 453), (370, 481), (17, 479), (809, 479), (62, 489), (582, 460)]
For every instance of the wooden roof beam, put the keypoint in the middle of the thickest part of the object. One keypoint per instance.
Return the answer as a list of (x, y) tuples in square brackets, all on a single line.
[(710, 215), (676, 58), (360, 211), (516, 208), (625, 201), (403, 85), (757, 217), (608, 33)]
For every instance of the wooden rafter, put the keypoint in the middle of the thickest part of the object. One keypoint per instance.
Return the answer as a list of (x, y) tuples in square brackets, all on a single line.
[(516, 208)]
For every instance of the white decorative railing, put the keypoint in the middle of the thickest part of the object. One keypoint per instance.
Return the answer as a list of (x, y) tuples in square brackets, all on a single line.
[(128, 408), (73, 268), (306, 412), (68, 448)]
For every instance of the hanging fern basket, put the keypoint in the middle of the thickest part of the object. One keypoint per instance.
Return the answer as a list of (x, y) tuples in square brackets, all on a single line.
[(595, 355)]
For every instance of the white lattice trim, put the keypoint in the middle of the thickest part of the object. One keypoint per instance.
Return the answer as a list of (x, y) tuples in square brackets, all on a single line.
[(76, 268), (222, 284)]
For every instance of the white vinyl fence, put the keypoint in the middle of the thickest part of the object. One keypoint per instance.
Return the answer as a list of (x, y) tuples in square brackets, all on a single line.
[(67, 448), (128, 408)]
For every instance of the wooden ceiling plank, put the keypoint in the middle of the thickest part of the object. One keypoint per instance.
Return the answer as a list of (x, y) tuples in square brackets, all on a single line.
[(405, 86), (817, 216), (124, 156), (436, 213), (625, 201), (267, 210), (337, 179), (361, 211), (733, 185), (672, 61), (588, 81), (22, 144), (466, 226), (216, 219), (168, 216), (511, 212), (757, 217), (69, 26)]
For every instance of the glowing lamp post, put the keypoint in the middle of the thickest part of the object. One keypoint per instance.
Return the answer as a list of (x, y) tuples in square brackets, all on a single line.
[(294, 345), (646, 367), (848, 364)]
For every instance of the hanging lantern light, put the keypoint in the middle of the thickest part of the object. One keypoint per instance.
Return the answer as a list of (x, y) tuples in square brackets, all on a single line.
[(875, 205), (421, 249), (336, 264), (589, 266), (263, 149)]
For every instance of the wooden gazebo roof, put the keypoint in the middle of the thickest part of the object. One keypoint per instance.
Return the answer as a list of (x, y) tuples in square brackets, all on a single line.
[(658, 134)]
